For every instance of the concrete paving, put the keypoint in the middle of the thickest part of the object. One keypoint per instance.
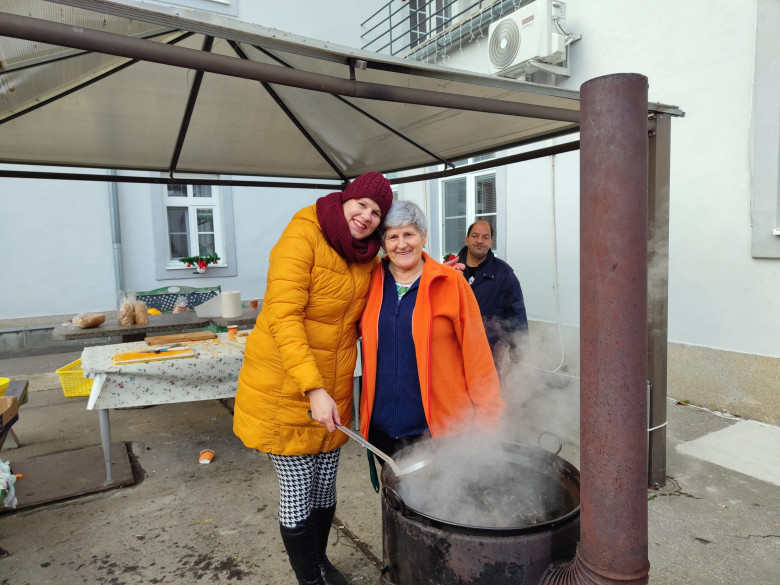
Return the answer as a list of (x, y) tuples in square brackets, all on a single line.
[(183, 522)]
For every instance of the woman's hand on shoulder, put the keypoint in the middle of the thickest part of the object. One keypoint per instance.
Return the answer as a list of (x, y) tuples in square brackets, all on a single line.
[(453, 262), (323, 408)]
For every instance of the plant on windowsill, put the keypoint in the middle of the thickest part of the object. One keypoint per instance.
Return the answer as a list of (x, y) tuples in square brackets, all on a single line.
[(200, 262)]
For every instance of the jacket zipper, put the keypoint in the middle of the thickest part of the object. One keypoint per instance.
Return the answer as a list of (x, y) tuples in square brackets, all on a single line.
[(430, 348), (395, 381)]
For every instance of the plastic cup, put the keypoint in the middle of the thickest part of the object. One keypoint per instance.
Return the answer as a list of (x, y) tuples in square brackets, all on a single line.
[(206, 456), (232, 331)]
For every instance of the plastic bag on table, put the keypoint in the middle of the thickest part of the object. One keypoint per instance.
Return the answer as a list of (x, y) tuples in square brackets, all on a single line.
[(180, 306), (125, 314)]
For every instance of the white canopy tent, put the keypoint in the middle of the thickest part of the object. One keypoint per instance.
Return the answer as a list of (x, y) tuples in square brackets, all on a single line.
[(124, 85)]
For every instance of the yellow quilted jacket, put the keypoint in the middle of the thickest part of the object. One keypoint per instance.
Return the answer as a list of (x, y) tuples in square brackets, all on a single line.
[(304, 338)]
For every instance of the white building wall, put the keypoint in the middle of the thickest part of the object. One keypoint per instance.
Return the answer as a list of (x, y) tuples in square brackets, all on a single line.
[(723, 306), (542, 235), (135, 203), (698, 55), (260, 216), (325, 21), (719, 296), (56, 245), (59, 244)]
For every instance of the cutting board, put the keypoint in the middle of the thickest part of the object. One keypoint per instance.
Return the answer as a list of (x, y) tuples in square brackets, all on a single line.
[(132, 357), (180, 337)]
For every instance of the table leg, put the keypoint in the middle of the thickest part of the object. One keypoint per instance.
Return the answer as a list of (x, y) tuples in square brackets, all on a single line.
[(105, 439), (12, 436), (357, 382)]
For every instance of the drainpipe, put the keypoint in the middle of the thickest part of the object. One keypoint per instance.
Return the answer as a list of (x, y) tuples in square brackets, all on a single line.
[(613, 339), (116, 235)]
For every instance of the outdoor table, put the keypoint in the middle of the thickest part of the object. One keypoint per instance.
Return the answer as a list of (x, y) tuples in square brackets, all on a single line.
[(211, 374), (167, 323), (245, 321)]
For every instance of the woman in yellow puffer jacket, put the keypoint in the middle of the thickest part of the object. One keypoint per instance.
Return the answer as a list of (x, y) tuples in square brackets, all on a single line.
[(296, 380)]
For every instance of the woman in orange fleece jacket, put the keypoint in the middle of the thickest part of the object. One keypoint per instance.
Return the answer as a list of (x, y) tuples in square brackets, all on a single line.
[(427, 370)]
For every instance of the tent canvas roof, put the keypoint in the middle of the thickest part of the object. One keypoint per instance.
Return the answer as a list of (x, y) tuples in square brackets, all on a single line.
[(130, 86)]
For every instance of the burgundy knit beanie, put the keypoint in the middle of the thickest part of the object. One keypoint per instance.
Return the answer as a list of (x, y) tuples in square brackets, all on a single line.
[(374, 186)]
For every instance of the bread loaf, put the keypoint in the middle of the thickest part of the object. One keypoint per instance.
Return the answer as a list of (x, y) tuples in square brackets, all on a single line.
[(86, 320), (125, 314), (141, 313)]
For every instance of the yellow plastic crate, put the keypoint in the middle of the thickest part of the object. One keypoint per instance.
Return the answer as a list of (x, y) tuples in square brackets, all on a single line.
[(73, 381)]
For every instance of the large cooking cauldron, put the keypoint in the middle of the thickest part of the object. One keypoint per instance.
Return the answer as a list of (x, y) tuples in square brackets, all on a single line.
[(517, 510)]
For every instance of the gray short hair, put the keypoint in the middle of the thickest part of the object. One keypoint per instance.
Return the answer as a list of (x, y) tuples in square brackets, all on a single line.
[(403, 213)]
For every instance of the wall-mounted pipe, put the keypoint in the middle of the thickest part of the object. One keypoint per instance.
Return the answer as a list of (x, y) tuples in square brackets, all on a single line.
[(116, 235)]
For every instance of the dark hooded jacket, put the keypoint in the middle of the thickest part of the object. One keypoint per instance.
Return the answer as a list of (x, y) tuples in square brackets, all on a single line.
[(500, 300)]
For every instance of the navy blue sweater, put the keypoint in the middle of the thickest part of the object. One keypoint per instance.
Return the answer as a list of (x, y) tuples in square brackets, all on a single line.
[(398, 408)]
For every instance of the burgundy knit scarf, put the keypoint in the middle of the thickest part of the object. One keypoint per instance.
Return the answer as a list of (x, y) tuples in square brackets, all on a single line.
[(330, 214)]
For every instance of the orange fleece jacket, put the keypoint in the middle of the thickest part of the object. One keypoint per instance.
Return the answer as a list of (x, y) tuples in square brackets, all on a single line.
[(458, 380)]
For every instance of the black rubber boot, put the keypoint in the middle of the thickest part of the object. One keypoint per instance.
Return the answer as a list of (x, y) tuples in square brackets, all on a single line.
[(302, 551), (322, 519)]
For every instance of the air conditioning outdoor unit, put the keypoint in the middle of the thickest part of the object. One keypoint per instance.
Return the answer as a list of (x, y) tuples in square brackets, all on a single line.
[(529, 40)]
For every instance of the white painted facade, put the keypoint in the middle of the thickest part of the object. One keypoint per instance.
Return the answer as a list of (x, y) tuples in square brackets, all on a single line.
[(717, 62), (700, 56), (724, 307)]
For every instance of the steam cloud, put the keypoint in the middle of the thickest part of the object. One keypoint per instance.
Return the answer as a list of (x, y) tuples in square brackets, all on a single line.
[(510, 478)]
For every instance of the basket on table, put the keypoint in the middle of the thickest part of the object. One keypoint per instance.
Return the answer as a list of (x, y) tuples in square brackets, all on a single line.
[(73, 381)]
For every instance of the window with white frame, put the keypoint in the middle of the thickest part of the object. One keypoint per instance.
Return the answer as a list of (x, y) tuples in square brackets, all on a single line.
[(464, 200), (192, 220), (427, 16), (193, 223)]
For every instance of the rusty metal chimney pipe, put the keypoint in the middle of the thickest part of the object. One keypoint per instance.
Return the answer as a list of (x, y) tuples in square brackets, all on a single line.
[(613, 340)]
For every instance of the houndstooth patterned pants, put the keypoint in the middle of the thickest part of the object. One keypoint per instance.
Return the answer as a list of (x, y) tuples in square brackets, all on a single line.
[(305, 482)]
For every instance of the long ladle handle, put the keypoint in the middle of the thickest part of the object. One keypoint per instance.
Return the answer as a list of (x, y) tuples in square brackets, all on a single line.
[(359, 438), (381, 454)]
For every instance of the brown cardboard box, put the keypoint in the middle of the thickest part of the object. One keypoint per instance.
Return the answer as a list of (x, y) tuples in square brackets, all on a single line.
[(9, 409)]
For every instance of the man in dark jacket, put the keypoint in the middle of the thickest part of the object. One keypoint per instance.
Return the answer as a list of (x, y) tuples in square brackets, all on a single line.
[(498, 293)]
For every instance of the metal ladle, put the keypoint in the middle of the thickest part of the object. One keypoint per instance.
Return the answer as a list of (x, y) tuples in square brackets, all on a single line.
[(379, 453)]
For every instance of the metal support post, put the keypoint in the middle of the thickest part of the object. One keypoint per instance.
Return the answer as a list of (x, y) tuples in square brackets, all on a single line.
[(657, 295)]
